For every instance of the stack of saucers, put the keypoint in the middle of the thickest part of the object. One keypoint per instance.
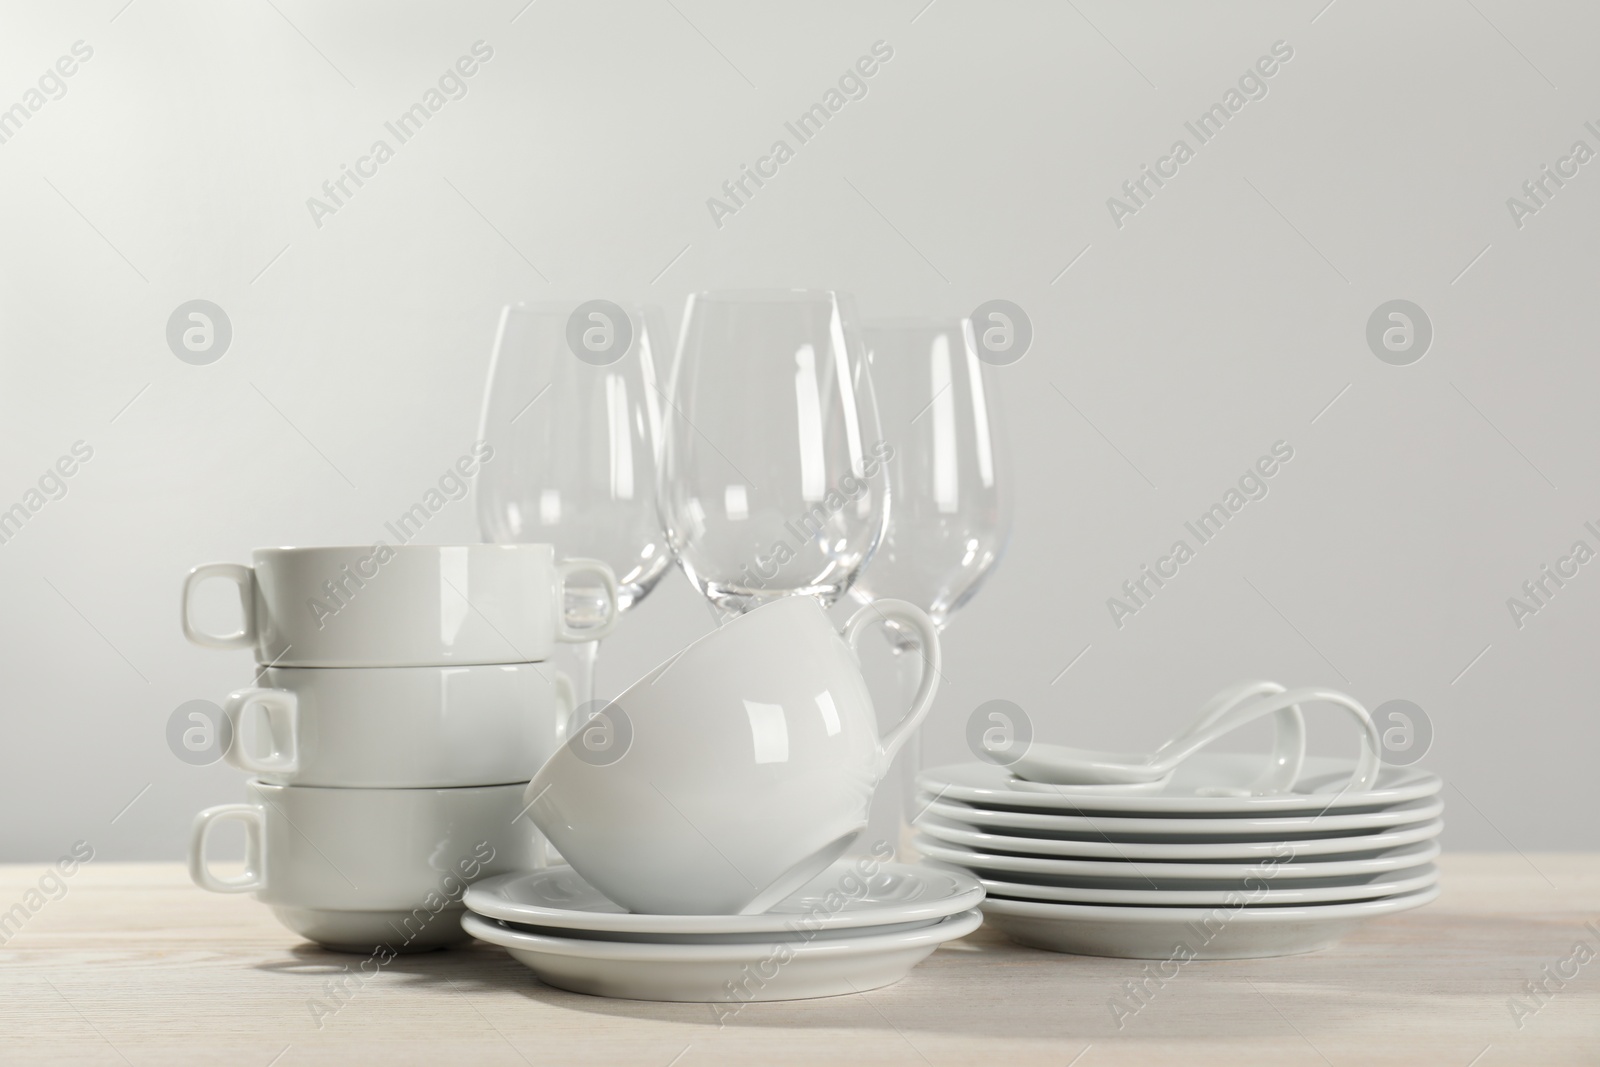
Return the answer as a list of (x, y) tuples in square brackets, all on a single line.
[(1184, 870), (859, 925), (705, 812)]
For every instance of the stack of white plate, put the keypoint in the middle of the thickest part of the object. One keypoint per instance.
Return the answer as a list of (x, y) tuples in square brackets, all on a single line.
[(1158, 873), (859, 925)]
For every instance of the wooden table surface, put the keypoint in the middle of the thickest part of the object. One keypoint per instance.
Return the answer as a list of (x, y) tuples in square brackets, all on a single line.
[(134, 965)]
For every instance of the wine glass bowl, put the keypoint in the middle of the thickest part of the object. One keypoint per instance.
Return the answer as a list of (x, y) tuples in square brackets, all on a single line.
[(952, 513), (574, 446), (771, 468), (575, 433)]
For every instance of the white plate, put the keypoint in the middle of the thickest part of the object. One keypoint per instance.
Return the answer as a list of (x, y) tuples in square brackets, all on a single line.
[(1196, 933), (1030, 826), (1126, 874), (1285, 848), (725, 973), (852, 893), (1318, 788), (1258, 891), (1361, 846)]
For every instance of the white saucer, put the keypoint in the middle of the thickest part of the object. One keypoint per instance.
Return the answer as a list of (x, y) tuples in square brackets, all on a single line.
[(1260, 891), (1195, 933), (1319, 788), (723, 973), (794, 936), (840, 897), (1043, 851), (1156, 829), (1145, 874)]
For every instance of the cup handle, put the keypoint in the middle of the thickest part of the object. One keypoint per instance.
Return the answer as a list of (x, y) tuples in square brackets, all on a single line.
[(199, 864), (915, 618), (565, 631), (239, 575), (278, 710)]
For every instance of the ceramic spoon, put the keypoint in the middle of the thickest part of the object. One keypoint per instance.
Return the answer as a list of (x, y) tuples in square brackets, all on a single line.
[(1057, 764), (1288, 754)]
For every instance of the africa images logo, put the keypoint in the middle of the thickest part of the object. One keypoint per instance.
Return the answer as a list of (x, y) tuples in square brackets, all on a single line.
[(1252, 85), (1542, 187), (852, 85), (51, 86), (1252, 485), (452, 85)]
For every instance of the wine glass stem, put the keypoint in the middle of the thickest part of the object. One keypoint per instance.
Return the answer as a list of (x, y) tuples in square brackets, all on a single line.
[(585, 653), (588, 652), (909, 666)]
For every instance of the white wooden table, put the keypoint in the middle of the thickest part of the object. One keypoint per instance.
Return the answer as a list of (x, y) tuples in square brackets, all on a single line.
[(133, 965)]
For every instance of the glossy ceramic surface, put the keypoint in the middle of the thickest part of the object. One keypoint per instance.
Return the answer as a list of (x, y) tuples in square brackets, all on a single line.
[(1320, 787), (389, 853), (728, 974), (1351, 847), (401, 606), (1155, 874), (851, 894), (1198, 933), (1260, 890), (396, 930), (733, 773), (1060, 764), (1053, 834), (399, 727)]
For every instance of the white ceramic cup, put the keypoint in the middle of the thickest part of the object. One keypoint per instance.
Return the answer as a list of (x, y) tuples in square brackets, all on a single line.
[(400, 727), (404, 606), (355, 869), (727, 777)]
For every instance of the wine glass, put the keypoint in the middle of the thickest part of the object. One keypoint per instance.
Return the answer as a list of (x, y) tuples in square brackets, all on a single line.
[(772, 463), (952, 514), (572, 414)]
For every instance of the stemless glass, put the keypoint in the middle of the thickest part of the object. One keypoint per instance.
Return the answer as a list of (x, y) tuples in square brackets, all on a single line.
[(952, 514), (771, 463), (575, 441)]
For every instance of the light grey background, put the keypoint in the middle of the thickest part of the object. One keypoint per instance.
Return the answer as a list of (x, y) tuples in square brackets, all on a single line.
[(1228, 314)]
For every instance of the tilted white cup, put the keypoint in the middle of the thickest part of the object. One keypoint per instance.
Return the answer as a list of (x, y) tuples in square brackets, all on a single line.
[(353, 869), (405, 605), (399, 727), (731, 774)]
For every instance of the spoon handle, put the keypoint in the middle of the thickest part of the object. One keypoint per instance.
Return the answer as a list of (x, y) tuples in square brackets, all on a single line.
[(1288, 742), (1367, 765)]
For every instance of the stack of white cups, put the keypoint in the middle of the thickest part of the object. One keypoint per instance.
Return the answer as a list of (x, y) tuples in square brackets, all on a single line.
[(403, 706)]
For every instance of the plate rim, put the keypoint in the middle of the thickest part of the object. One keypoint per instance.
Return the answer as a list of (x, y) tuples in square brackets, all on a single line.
[(949, 928), (1428, 851), (1149, 915), (1428, 785), (1261, 849), (1426, 808), (483, 897), (1412, 884)]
